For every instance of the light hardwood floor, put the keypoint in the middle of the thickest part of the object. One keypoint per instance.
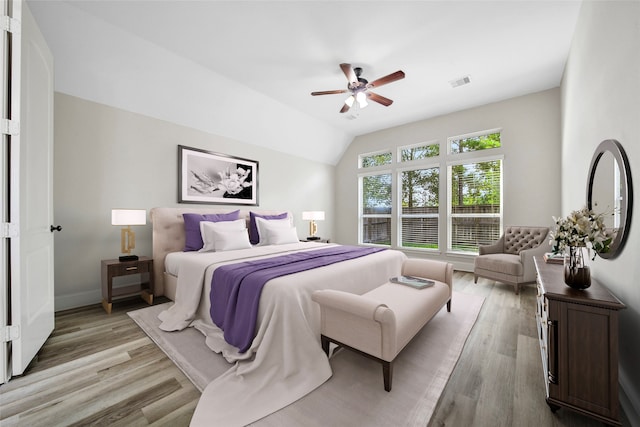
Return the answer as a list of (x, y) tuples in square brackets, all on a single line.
[(99, 369)]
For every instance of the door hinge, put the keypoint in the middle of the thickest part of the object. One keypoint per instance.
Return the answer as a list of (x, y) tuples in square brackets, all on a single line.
[(9, 333), (9, 24), (9, 230), (9, 127)]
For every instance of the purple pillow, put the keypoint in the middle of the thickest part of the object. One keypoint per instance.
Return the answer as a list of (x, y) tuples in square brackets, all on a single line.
[(193, 238), (254, 237)]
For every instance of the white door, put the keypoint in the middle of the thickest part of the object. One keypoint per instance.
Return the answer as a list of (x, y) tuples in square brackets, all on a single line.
[(31, 194)]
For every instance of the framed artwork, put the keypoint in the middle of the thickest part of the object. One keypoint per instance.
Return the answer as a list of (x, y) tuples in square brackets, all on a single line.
[(214, 178)]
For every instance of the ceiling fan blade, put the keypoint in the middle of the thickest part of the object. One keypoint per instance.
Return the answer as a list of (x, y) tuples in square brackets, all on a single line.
[(328, 92), (379, 99), (347, 69), (344, 108), (398, 75)]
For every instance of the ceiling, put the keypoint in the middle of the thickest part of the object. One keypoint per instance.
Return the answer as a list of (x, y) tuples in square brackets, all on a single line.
[(285, 50)]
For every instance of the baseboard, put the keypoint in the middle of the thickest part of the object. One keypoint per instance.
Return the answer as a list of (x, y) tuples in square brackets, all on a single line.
[(80, 299), (629, 399)]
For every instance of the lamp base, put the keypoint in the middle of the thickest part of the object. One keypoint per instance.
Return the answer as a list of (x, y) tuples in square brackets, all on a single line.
[(314, 238), (125, 258)]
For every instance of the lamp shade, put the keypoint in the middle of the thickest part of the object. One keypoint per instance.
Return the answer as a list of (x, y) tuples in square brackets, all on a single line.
[(128, 216), (313, 216)]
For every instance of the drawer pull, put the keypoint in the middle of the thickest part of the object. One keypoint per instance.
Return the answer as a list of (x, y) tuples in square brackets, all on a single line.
[(131, 268)]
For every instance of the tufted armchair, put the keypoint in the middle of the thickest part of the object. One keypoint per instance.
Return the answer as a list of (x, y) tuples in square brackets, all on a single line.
[(510, 259)]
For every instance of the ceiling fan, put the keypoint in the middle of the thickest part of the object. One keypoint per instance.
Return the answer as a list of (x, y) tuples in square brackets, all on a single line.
[(359, 88)]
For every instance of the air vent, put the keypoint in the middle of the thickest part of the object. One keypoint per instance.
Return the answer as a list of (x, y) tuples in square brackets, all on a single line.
[(460, 82)]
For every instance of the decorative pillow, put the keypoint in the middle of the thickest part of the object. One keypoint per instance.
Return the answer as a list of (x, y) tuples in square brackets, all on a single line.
[(231, 240), (192, 231), (254, 237), (263, 225), (281, 236), (208, 230)]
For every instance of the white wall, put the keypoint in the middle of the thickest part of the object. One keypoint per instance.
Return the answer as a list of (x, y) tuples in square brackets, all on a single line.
[(531, 147), (108, 158), (601, 100)]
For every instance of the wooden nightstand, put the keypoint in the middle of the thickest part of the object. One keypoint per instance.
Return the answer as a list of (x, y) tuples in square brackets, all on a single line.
[(114, 268)]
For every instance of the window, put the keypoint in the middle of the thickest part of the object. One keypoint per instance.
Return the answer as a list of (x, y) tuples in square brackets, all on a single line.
[(375, 159), (419, 152), (376, 209), (474, 142), (475, 209), (419, 210), (405, 191)]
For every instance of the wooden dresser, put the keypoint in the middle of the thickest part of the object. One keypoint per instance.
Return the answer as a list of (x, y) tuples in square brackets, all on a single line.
[(578, 333)]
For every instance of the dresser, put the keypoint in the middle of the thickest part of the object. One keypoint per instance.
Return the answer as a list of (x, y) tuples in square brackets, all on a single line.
[(578, 333)]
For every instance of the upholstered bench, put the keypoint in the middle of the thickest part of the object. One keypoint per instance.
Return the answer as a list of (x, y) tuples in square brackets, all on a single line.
[(381, 322)]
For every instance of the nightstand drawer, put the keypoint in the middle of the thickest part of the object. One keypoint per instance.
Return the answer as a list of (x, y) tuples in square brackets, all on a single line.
[(124, 269)]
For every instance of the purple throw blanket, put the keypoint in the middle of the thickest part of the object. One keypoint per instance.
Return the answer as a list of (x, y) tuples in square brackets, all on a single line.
[(236, 288)]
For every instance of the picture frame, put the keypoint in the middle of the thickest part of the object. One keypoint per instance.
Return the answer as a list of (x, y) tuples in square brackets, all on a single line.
[(206, 177)]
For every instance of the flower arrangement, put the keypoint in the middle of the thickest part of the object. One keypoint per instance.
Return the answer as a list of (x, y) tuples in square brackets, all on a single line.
[(581, 228)]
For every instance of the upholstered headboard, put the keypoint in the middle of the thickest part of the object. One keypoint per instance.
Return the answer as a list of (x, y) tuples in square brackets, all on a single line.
[(168, 234)]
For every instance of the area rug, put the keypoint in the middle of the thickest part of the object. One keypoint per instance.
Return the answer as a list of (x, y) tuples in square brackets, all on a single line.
[(354, 395)]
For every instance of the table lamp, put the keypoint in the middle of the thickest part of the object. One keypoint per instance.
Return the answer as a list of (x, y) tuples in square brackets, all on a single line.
[(128, 217), (313, 216)]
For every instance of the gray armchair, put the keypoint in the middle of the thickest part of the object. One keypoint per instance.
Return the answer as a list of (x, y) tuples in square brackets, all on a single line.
[(510, 259)]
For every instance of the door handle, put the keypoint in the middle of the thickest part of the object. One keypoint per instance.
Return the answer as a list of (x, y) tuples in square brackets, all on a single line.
[(56, 228)]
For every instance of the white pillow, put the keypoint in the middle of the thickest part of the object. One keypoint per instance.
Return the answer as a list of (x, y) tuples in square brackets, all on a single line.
[(231, 240), (263, 224), (281, 236), (208, 227)]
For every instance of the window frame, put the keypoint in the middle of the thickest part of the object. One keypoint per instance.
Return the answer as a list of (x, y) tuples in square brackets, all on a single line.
[(466, 158), (413, 165), (418, 144), (375, 153), (379, 170), (450, 140), (444, 161)]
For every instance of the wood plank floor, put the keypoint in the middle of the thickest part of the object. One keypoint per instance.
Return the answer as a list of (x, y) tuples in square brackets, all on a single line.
[(99, 369)]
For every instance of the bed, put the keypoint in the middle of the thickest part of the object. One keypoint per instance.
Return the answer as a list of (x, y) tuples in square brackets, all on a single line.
[(285, 360)]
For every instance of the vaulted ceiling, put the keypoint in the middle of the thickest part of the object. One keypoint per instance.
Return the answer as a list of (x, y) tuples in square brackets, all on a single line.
[(245, 69)]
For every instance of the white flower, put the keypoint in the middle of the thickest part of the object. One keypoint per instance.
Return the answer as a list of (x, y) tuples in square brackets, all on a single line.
[(234, 182), (581, 228)]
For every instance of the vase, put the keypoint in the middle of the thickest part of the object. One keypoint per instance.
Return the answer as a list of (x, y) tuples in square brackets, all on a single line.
[(576, 274)]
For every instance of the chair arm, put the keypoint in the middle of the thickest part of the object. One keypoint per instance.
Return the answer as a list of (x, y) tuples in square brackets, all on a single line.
[(526, 258), (441, 271), (357, 305), (496, 248)]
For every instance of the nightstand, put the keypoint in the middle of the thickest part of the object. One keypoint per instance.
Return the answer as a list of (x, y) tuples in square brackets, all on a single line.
[(114, 268)]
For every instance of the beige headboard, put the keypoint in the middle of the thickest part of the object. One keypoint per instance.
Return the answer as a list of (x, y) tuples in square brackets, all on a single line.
[(168, 234)]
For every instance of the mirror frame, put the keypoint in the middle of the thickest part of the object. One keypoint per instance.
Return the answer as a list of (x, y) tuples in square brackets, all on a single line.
[(626, 204)]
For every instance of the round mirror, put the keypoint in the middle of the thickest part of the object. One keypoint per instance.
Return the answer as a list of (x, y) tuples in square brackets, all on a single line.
[(609, 191)]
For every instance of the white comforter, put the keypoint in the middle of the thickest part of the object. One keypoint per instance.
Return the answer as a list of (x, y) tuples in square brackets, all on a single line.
[(285, 361)]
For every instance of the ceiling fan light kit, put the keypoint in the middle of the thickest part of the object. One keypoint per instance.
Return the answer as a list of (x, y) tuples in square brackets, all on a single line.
[(359, 88)]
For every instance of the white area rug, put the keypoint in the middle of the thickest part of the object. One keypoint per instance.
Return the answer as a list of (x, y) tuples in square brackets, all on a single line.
[(354, 396)]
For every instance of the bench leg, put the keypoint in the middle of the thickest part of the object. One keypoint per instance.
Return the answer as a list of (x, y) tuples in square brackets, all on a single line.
[(387, 374), (325, 344)]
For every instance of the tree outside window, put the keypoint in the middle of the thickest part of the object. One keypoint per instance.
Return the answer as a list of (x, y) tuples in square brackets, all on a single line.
[(376, 209), (419, 214), (475, 196)]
